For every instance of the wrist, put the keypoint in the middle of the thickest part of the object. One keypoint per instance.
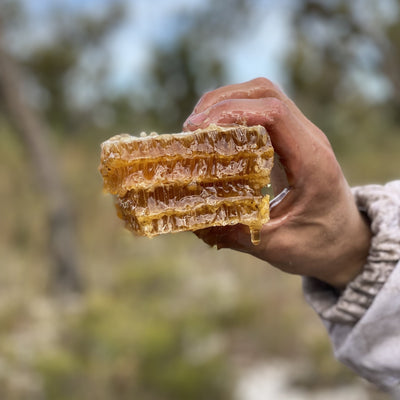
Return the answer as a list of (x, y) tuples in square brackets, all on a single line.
[(381, 204), (351, 254)]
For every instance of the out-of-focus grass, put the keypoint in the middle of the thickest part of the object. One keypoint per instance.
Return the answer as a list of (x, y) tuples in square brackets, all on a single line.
[(167, 318)]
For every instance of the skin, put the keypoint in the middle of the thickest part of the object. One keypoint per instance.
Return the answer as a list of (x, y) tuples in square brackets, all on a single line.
[(316, 230)]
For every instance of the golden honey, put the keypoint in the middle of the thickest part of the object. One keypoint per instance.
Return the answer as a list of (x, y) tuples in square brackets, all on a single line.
[(189, 181)]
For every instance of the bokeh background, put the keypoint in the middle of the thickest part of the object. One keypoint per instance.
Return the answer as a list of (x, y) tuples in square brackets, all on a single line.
[(87, 311)]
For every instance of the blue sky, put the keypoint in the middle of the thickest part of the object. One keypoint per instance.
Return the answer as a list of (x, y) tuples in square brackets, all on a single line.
[(258, 53), (247, 58)]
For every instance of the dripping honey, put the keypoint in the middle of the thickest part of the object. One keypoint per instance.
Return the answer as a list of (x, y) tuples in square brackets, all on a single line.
[(189, 181)]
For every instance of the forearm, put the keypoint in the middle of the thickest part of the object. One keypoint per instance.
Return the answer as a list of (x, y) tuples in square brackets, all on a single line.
[(352, 316)]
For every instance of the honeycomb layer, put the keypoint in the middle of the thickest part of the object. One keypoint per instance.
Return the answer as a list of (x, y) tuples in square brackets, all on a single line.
[(188, 181), (215, 153)]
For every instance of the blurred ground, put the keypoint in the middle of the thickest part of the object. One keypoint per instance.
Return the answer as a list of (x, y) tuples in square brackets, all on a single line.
[(163, 316), (170, 318)]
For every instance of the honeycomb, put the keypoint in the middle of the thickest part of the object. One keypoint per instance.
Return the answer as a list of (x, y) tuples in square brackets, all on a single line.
[(189, 181)]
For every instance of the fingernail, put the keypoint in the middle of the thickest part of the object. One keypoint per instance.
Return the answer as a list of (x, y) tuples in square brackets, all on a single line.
[(197, 119)]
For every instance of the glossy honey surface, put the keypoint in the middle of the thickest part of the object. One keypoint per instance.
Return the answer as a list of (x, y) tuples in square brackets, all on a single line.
[(188, 181)]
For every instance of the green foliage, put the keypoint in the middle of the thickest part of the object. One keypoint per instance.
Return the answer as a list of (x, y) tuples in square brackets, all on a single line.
[(183, 69), (170, 318), (128, 344), (58, 65), (344, 74), (338, 60), (166, 318)]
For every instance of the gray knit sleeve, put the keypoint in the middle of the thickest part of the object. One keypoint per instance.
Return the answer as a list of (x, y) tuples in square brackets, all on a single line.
[(382, 206)]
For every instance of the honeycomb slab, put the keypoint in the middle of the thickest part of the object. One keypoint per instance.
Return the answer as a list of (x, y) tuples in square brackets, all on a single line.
[(188, 181)]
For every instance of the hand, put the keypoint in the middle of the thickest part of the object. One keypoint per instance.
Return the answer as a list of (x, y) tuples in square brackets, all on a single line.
[(316, 229)]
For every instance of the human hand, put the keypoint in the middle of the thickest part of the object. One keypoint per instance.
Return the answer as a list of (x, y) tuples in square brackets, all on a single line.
[(316, 229)]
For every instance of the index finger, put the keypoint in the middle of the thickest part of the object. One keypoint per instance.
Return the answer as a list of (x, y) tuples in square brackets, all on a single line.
[(254, 89), (288, 136)]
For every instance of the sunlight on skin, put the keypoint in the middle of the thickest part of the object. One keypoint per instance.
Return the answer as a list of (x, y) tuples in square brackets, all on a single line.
[(316, 230)]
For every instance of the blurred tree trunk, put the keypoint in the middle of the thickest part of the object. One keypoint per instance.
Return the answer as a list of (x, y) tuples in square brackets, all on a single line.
[(34, 132)]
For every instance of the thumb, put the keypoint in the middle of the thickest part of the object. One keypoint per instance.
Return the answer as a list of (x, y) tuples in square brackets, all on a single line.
[(282, 126)]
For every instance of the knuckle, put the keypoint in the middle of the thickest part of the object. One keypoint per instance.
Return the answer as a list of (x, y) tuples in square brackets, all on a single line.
[(261, 81), (267, 88), (265, 83), (275, 110), (207, 95)]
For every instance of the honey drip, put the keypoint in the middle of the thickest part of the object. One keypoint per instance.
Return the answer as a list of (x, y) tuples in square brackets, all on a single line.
[(255, 235), (189, 181)]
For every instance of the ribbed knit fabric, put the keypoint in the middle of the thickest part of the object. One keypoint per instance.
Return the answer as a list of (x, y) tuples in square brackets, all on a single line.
[(382, 206)]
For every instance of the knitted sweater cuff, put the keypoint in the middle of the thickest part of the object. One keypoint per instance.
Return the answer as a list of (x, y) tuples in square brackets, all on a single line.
[(382, 206)]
